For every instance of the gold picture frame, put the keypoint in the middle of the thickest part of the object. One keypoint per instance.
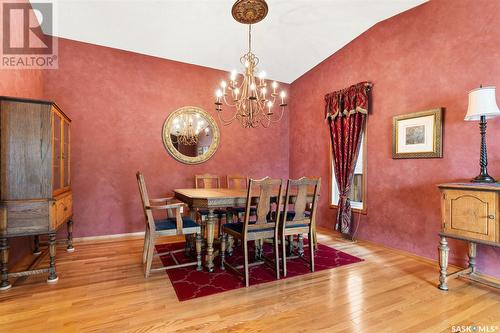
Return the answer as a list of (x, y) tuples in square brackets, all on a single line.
[(418, 135), (206, 152)]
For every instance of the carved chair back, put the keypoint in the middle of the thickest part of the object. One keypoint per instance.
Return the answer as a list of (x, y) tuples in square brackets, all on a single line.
[(236, 182), (260, 193), (296, 198), (206, 181), (148, 214)]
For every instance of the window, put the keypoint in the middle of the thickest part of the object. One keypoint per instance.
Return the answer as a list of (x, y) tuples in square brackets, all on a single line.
[(358, 187)]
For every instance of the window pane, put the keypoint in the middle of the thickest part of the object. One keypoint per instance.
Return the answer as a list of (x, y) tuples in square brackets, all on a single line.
[(357, 188)]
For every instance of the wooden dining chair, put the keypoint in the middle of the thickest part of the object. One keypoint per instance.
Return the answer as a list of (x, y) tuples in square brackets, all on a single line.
[(296, 219), (237, 182), (259, 192), (173, 224)]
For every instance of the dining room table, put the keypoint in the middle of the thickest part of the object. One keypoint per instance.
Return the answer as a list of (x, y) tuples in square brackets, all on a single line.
[(212, 199)]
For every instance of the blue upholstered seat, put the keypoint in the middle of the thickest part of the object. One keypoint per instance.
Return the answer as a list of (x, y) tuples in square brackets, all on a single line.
[(253, 210), (291, 214), (216, 212), (170, 223), (238, 227)]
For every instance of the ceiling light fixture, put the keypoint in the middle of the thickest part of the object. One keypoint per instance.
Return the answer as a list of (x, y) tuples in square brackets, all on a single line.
[(254, 102)]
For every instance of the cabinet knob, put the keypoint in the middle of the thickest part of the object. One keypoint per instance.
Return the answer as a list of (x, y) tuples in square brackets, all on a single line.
[(491, 217)]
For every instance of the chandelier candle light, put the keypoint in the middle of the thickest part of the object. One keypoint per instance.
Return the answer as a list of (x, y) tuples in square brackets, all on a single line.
[(253, 100)]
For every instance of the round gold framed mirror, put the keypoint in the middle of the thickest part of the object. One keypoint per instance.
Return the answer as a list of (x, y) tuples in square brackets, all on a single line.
[(191, 135)]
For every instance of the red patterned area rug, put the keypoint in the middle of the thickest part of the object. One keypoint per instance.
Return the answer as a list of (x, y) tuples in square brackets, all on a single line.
[(189, 284)]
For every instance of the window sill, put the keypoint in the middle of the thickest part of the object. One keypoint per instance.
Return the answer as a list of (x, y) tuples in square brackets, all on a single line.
[(355, 210)]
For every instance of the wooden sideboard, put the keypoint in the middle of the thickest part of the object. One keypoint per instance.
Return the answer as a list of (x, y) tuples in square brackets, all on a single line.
[(35, 178), (470, 212)]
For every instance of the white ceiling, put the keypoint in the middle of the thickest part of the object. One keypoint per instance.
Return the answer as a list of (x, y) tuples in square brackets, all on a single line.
[(294, 37)]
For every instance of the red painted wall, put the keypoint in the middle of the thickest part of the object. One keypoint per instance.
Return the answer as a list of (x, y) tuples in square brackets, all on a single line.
[(118, 102), (428, 57)]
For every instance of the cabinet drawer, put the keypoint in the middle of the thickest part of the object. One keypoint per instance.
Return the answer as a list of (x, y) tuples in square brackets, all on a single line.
[(63, 210), (471, 214)]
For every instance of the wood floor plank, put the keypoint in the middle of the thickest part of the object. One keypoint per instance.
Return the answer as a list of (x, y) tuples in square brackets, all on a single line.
[(101, 288)]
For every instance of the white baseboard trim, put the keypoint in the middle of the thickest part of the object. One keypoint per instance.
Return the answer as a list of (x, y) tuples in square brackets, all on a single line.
[(139, 234)]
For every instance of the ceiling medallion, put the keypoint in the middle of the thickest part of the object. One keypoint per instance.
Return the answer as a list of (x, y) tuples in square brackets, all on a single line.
[(254, 101), (249, 11)]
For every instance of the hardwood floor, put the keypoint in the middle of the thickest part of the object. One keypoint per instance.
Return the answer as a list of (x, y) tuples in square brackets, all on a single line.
[(101, 289)]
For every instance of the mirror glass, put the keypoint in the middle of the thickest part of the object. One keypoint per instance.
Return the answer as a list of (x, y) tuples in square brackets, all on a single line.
[(190, 135)]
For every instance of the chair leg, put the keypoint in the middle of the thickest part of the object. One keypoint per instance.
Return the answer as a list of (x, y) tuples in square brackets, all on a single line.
[(230, 244), (222, 250), (277, 257), (149, 255), (311, 249), (199, 267), (283, 248), (146, 244), (245, 263)]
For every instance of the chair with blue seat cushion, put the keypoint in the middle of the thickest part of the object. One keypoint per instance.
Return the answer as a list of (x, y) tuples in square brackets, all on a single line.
[(173, 224), (301, 219), (265, 225)]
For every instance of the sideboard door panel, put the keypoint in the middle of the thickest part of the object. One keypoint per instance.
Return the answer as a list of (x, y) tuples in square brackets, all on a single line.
[(26, 151), (471, 214)]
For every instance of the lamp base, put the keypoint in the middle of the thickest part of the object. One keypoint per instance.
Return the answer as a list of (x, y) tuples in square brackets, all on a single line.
[(484, 178)]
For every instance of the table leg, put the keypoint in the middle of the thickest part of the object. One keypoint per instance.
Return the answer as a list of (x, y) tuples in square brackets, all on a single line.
[(70, 247), (36, 250), (472, 256), (198, 237), (210, 239), (290, 244), (300, 245), (443, 263), (52, 259), (4, 256)]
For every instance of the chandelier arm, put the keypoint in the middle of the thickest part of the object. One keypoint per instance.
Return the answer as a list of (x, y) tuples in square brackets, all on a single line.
[(224, 121)]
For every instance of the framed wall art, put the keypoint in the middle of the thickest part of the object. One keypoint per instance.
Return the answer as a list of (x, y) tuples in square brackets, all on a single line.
[(418, 135)]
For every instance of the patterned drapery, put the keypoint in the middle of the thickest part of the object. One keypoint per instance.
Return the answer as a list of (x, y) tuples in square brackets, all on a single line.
[(346, 111)]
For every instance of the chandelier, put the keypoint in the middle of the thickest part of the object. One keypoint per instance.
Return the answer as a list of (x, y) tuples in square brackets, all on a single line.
[(187, 129), (253, 100)]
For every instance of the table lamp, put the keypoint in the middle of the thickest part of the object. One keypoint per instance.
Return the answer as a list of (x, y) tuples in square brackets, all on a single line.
[(482, 106)]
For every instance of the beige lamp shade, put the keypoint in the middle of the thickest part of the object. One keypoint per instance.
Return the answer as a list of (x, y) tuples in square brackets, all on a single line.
[(482, 102)]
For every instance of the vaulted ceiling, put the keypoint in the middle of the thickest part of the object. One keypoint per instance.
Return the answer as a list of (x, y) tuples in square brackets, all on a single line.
[(294, 37)]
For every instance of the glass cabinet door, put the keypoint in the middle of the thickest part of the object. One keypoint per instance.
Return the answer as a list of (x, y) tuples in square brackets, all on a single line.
[(56, 146), (66, 154)]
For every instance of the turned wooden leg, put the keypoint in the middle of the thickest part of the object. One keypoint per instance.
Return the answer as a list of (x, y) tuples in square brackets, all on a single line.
[(472, 256), (52, 260), (4, 256), (300, 245), (199, 239), (230, 245), (210, 240), (259, 249), (443, 263), (290, 244), (70, 247), (187, 245), (36, 241), (222, 250)]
